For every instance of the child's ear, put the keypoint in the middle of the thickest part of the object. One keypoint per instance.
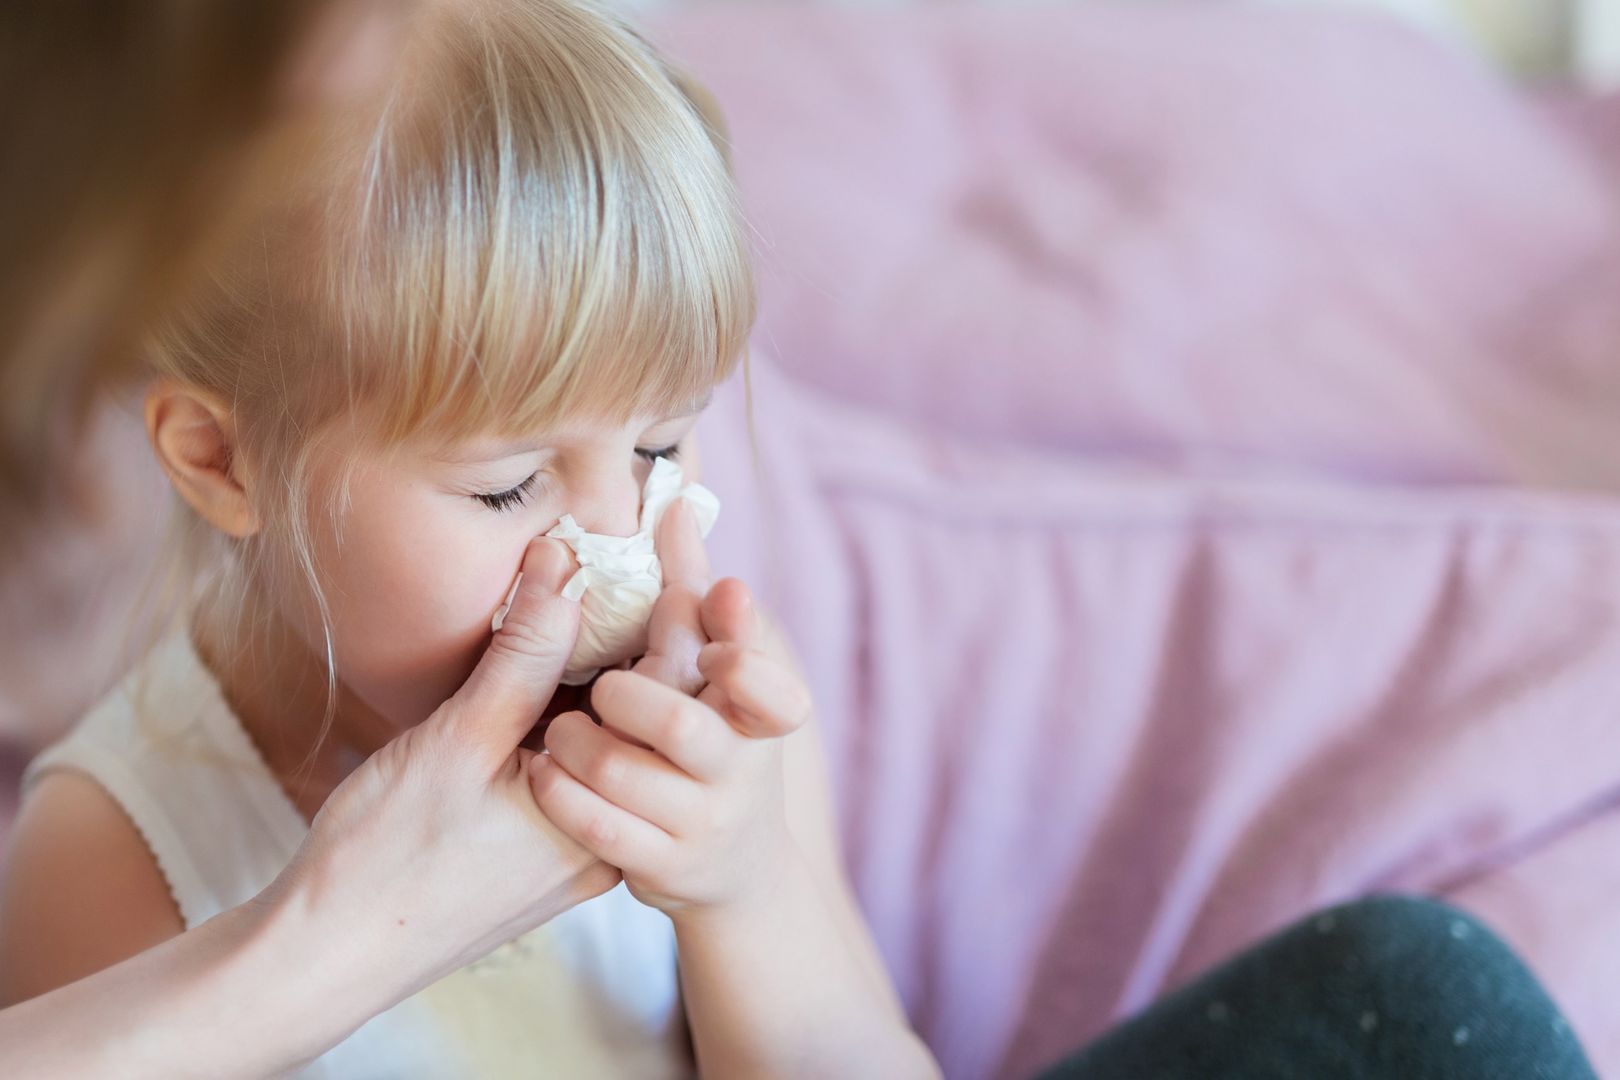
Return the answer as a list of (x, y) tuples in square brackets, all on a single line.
[(194, 435)]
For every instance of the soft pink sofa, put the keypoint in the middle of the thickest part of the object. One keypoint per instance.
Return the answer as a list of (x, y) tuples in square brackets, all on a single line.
[(1188, 446)]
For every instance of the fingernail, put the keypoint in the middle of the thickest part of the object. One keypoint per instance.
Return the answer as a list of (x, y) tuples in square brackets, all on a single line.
[(549, 560), (506, 605)]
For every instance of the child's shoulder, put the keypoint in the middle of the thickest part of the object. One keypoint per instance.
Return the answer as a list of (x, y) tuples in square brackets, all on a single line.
[(81, 890)]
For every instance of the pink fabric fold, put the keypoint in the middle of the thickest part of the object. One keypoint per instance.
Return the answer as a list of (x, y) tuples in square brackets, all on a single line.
[(1095, 727), (1174, 480)]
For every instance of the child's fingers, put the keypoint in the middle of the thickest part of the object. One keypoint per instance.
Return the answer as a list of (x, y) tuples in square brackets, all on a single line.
[(675, 631), (674, 636), (690, 734), (727, 613), (630, 777), (680, 549), (611, 833), (763, 699)]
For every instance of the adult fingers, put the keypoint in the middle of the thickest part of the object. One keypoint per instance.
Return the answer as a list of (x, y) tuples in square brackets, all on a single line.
[(520, 669)]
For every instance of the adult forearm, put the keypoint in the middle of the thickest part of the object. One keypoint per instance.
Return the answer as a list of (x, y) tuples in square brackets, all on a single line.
[(432, 853), (772, 989), (258, 990)]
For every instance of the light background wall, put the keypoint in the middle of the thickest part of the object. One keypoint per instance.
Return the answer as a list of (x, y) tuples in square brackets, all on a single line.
[(1578, 38), (1539, 38)]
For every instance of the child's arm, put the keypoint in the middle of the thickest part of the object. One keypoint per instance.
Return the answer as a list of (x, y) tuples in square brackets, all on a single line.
[(81, 890), (787, 977), (779, 972), (808, 790)]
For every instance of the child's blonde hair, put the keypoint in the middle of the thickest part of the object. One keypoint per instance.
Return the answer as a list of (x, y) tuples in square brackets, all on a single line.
[(538, 221)]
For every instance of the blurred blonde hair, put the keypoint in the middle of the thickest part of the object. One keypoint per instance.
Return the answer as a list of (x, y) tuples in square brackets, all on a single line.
[(538, 221)]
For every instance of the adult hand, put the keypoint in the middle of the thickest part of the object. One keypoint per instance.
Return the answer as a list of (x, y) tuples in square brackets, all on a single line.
[(435, 847), (433, 852)]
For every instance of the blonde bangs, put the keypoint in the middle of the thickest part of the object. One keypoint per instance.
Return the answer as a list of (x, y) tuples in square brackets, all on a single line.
[(537, 226), (543, 226)]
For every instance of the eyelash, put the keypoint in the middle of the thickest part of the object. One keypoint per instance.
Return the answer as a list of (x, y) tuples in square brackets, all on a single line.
[(672, 451), (512, 498)]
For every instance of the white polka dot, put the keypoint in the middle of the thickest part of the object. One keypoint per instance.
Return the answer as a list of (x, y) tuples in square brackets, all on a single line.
[(1459, 1036), (1369, 1020), (1325, 924), (1460, 929), (1218, 1012)]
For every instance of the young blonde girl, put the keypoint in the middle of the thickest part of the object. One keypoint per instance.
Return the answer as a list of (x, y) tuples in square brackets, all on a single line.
[(496, 300)]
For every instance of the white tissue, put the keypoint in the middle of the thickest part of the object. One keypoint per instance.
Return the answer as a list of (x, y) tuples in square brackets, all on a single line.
[(620, 577)]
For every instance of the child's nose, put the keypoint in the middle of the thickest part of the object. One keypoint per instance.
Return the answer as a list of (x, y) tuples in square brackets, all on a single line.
[(614, 508)]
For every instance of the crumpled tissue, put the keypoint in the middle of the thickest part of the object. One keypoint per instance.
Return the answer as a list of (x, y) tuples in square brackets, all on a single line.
[(619, 577)]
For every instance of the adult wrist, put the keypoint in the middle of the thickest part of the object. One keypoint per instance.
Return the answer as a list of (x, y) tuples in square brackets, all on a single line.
[(312, 970)]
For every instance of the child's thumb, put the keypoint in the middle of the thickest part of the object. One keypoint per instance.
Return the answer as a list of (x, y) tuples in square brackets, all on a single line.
[(503, 698)]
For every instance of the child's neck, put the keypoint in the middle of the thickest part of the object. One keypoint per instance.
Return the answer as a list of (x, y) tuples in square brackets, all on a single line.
[(277, 687)]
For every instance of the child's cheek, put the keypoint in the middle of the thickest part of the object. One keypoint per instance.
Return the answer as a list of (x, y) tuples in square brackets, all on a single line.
[(417, 608)]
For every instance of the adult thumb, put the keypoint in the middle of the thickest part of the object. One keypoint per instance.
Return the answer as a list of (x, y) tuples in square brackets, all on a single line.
[(519, 671)]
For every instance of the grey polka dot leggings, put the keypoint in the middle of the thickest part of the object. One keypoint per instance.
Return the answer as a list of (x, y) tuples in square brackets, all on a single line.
[(1391, 988)]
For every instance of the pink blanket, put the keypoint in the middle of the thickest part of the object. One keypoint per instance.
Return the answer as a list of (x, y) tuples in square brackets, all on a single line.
[(1175, 534)]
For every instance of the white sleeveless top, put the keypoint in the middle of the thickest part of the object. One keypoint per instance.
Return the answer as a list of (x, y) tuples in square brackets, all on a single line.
[(593, 993)]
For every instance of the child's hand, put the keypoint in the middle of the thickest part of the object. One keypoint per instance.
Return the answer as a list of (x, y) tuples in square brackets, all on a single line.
[(683, 794), (675, 632), (689, 616)]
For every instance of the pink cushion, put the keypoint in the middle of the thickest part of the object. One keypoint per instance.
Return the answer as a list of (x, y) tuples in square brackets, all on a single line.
[(1134, 329), (1217, 237)]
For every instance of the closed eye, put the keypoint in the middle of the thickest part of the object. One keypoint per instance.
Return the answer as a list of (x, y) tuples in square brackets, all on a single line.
[(671, 451), (511, 498), (514, 497)]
